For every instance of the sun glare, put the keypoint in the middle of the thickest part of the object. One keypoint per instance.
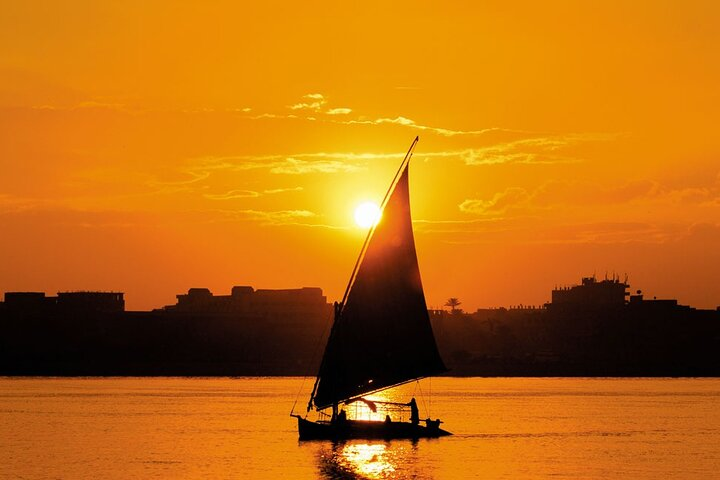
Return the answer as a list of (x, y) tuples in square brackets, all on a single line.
[(367, 214)]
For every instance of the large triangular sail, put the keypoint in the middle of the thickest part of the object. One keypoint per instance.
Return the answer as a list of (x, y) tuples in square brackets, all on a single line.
[(382, 335)]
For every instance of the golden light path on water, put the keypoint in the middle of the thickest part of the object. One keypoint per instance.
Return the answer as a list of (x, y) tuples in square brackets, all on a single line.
[(370, 460)]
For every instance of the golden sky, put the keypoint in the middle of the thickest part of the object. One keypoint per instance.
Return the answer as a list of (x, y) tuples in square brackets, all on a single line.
[(149, 147)]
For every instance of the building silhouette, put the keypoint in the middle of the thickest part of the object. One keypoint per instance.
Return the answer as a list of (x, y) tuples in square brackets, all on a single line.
[(249, 332), (591, 292), (595, 328), (246, 299), (35, 302)]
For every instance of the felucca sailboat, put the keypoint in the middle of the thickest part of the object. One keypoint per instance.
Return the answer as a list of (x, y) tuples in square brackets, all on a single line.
[(381, 335)]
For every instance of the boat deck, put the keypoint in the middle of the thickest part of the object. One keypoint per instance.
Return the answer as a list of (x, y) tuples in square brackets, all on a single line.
[(366, 429)]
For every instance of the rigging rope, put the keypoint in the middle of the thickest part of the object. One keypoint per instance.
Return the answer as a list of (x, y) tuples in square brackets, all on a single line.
[(316, 350)]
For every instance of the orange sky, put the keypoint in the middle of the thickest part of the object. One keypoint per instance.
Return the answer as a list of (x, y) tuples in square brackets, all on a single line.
[(150, 147)]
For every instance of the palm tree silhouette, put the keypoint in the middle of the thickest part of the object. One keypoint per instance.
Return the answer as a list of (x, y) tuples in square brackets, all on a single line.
[(453, 303)]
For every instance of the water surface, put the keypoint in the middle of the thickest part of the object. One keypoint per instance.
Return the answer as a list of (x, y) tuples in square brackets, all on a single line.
[(118, 428)]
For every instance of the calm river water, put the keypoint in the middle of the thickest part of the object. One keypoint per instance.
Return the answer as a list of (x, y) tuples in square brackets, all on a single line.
[(179, 428)]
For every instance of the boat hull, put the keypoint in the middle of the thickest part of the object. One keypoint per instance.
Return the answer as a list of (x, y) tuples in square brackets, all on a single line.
[(365, 429)]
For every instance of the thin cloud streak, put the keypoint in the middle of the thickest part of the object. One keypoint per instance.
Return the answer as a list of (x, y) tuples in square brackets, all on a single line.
[(641, 194), (278, 218), (263, 217), (533, 150), (339, 111), (237, 194), (519, 151), (294, 166), (446, 132), (283, 190), (315, 101), (317, 105), (232, 195)]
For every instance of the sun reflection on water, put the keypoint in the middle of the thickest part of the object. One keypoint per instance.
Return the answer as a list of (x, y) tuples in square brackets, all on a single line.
[(371, 461), (366, 460)]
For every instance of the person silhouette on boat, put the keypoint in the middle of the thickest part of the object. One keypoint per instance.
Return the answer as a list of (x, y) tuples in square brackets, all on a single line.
[(414, 412), (342, 417), (433, 424)]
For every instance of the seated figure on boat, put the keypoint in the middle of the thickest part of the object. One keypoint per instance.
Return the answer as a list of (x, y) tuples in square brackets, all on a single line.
[(338, 417), (433, 424)]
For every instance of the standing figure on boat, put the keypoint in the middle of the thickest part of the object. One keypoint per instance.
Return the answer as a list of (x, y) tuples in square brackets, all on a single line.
[(414, 412)]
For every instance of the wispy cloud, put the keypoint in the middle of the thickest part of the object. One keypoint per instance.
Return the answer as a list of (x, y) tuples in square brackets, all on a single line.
[(275, 218), (237, 194), (547, 149), (407, 122), (311, 101), (295, 166), (612, 233), (535, 150), (499, 203), (309, 106), (315, 102), (555, 193), (295, 218), (538, 230), (339, 111), (350, 162), (645, 197), (195, 177), (232, 195), (277, 215), (87, 105), (272, 116), (316, 106), (538, 149), (283, 190)]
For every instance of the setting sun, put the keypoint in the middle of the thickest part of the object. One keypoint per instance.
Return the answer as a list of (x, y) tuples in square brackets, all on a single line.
[(367, 214)]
